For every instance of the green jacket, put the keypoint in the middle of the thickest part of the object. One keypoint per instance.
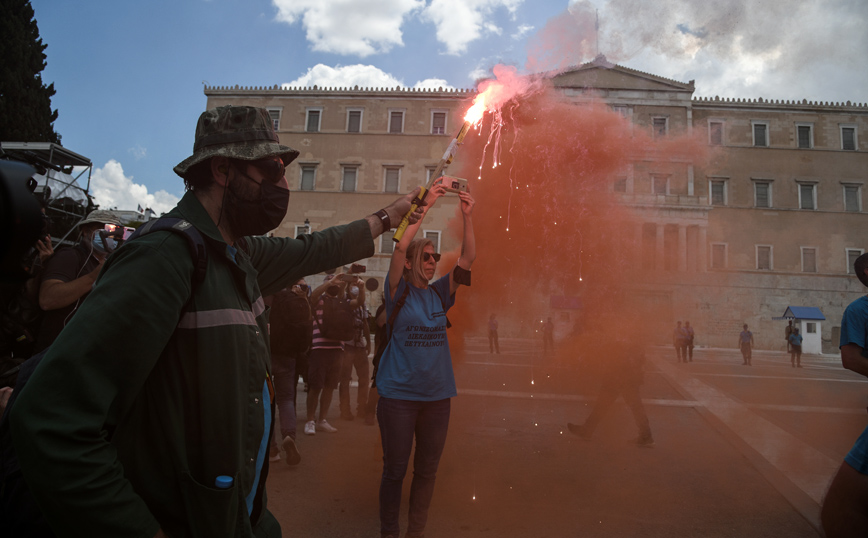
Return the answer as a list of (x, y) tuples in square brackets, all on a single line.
[(136, 409)]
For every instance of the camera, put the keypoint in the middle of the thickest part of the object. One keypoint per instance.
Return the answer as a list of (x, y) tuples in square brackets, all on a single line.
[(357, 268), (455, 184)]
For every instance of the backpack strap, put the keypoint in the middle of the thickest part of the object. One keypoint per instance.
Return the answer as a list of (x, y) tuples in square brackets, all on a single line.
[(194, 239), (448, 323)]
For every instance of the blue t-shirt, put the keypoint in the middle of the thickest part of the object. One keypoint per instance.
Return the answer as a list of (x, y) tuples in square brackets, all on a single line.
[(854, 326), (416, 364), (796, 339), (857, 458)]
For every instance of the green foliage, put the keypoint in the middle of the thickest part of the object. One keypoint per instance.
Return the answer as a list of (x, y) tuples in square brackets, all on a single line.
[(25, 101)]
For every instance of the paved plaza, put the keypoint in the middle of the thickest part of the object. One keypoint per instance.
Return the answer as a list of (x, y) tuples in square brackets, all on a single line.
[(740, 452)]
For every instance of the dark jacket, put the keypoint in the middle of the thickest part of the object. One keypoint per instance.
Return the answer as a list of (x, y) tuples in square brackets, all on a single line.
[(136, 409)]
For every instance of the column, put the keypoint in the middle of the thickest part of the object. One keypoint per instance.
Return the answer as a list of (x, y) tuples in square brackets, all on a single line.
[(659, 252), (702, 249), (682, 248)]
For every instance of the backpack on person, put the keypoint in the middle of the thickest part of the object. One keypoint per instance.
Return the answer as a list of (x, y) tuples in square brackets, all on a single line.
[(291, 324), (338, 320), (18, 510)]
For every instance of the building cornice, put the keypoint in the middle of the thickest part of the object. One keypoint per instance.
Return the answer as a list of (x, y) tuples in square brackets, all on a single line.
[(770, 104), (346, 91)]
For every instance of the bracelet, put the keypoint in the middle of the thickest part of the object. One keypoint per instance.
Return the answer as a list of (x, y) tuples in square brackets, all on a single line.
[(384, 218)]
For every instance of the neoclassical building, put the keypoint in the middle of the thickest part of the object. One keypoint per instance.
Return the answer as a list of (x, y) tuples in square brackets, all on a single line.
[(774, 219)]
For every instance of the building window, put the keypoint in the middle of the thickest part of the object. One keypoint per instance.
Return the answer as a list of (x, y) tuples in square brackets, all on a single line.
[(811, 328), (660, 184), (760, 134), (623, 111), (354, 120), (348, 182), (853, 198), (805, 135), (434, 236), (302, 230), (715, 133), (396, 121), (274, 113), (428, 171), (809, 260), (718, 255), (848, 137), (387, 246), (762, 191), (308, 177), (852, 254), (311, 124), (717, 188), (393, 179), (764, 257), (807, 196), (659, 126), (620, 185), (438, 122)]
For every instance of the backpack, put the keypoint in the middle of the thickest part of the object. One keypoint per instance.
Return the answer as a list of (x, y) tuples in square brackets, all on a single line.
[(338, 319), (291, 324), (18, 510)]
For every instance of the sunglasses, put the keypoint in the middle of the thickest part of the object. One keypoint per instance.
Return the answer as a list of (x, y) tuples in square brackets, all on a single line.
[(272, 171), (427, 256)]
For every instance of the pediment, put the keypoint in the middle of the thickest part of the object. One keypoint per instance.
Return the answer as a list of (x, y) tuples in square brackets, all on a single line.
[(604, 75)]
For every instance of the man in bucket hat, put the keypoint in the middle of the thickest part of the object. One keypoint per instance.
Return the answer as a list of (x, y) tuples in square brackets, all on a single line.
[(151, 414), (69, 276)]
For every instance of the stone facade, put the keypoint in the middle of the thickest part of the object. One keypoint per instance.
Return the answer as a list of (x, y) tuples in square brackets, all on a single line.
[(773, 219)]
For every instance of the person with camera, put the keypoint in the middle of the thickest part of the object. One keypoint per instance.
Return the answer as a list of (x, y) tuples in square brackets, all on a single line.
[(415, 380), (332, 325), (152, 412), (70, 274), (355, 356)]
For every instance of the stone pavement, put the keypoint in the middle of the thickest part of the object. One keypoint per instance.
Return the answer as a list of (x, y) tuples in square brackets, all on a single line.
[(729, 460)]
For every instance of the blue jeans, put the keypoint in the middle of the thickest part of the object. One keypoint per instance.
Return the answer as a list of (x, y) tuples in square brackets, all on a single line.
[(283, 368), (399, 421)]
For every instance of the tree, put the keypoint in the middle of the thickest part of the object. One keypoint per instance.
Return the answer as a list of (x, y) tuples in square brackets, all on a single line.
[(25, 101)]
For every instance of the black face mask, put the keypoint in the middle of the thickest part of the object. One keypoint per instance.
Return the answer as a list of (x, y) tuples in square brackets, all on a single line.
[(259, 215)]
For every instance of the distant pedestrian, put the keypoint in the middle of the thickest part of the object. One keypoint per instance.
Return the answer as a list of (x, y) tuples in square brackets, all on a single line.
[(492, 335), (796, 349), (548, 336), (745, 343), (679, 341), (688, 330), (787, 332)]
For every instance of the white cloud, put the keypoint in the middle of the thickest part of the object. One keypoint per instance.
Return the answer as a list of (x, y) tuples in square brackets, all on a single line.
[(739, 48), (110, 188), (459, 22), (352, 27), (521, 31), (138, 152), (363, 76)]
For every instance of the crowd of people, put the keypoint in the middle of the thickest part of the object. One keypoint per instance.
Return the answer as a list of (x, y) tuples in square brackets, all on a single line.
[(148, 405), (160, 360)]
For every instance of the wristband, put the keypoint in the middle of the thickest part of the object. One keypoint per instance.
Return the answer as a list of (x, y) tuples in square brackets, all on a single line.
[(461, 275), (384, 218)]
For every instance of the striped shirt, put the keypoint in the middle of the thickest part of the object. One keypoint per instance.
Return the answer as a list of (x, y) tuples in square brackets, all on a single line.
[(318, 341)]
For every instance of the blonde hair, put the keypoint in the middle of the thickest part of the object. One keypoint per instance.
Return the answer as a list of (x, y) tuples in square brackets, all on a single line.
[(415, 274)]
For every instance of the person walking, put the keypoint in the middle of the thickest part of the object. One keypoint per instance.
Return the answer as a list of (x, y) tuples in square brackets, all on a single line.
[(493, 344), (745, 344), (796, 349), (690, 335), (415, 380)]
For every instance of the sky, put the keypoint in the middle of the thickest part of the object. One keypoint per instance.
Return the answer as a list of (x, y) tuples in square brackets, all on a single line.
[(130, 76)]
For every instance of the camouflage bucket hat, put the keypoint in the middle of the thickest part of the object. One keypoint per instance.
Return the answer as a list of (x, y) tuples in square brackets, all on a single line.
[(101, 216), (237, 132)]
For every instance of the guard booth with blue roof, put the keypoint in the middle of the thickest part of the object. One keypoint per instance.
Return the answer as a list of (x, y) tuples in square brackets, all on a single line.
[(807, 319)]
